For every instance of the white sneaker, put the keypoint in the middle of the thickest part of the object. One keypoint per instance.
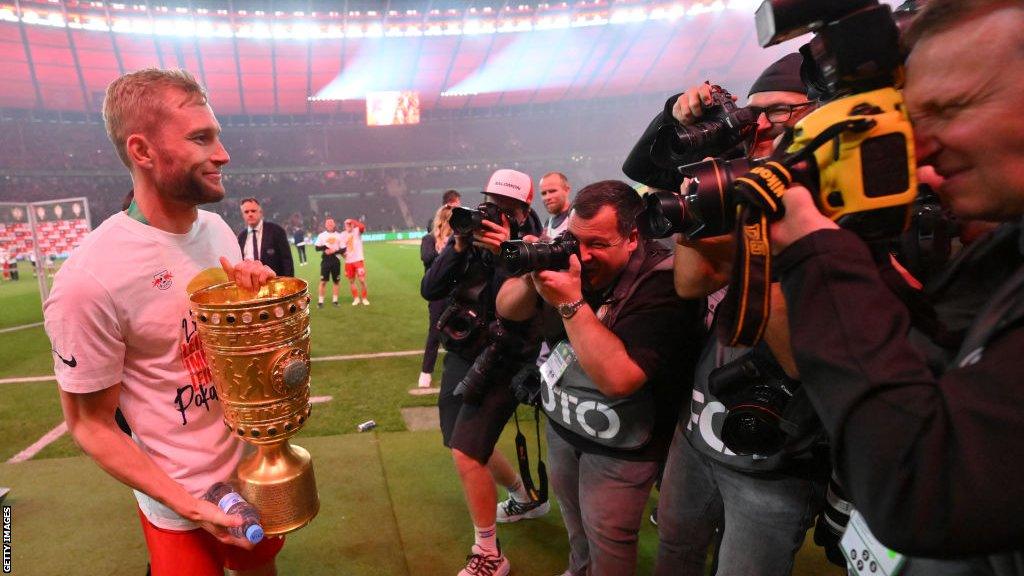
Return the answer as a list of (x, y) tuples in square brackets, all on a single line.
[(366, 302), (355, 301), (512, 510), (425, 380), (481, 564)]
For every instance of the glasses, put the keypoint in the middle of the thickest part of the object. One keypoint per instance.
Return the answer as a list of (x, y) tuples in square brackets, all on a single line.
[(780, 113)]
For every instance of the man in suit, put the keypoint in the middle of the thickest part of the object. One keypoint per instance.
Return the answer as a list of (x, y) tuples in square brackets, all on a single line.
[(264, 241)]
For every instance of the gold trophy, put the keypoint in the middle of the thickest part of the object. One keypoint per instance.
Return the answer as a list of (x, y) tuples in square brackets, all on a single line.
[(257, 346)]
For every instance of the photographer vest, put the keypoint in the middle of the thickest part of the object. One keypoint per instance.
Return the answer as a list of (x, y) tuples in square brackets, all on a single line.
[(575, 404), (705, 415)]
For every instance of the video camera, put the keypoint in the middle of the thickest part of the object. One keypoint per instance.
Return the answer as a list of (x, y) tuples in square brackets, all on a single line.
[(518, 257), (854, 152)]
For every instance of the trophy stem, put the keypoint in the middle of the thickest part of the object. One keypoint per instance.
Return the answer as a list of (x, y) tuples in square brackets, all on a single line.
[(278, 480)]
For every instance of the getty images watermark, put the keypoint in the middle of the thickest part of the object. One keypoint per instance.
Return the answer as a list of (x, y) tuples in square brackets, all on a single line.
[(7, 539)]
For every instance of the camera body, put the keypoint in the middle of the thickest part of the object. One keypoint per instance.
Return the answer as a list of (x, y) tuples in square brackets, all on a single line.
[(518, 257), (726, 126), (855, 152), (858, 142), (756, 393), (463, 327), (467, 220)]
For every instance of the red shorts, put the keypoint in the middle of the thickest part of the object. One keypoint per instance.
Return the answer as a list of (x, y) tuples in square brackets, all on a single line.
[(199, 553), (353, 269)]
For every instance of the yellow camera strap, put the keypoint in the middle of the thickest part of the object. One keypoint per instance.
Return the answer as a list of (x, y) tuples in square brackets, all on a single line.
[(746, 306)]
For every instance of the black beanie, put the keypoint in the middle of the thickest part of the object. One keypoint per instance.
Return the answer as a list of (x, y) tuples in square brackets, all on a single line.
[(781, 76)]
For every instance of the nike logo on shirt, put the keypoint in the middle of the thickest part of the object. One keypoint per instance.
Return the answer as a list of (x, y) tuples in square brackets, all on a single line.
[(71, 363)]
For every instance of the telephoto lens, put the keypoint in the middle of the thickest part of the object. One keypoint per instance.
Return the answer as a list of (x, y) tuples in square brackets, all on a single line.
[(518, 257), (703, 210)]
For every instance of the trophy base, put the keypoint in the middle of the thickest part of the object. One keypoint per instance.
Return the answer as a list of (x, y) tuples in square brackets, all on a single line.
[(278, 480)]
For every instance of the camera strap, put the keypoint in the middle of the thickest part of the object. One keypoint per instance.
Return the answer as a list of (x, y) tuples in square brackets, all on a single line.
[(523, 458), (746, 305), (758, 193)]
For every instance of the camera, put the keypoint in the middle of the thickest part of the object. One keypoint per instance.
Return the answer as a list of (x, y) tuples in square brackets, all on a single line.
[(507, 348), (705, 209), (518, 257), (727, 126), (928, 242), (858, 144), (756, 393), (468, 220), (463, 327), (526, 385)]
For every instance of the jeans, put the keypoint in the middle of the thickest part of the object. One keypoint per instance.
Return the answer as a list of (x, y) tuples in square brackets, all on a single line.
[(765, 516), (602, 501)]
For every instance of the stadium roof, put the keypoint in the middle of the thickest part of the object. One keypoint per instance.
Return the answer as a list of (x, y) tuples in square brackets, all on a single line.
[(297, 57)]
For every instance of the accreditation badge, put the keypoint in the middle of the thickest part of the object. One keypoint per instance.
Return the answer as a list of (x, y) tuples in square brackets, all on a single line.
[(865, 555), (557, 363)]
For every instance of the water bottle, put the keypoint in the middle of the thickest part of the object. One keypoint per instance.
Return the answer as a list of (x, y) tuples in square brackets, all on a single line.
[(231, 502)]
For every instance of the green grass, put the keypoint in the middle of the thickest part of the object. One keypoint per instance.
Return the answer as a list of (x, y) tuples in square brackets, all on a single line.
[(21, 304)]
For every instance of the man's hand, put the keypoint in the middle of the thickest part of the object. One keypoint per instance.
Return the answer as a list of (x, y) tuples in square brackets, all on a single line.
[(560, 286), (689, 108), (216, 522), (491, 235), (249, 275), (802, 218)]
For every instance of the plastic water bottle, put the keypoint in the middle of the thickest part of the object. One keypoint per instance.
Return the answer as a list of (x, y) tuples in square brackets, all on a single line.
[(231, 502)]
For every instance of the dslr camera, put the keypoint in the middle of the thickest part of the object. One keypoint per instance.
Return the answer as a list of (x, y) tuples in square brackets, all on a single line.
[(518, 257), (854, 152), (467, 220), (726, 127), (756, 393)]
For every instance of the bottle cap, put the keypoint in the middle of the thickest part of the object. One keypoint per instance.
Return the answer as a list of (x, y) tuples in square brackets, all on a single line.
[(254, 533)]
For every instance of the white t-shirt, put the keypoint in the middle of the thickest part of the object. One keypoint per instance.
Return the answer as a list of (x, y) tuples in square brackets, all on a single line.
[(118, 312), (332, 240), (353, 242)]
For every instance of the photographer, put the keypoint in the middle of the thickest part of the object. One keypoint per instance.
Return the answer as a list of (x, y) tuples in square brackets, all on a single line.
[(464, 272), (932, 461), (615, 379), (762, 501)]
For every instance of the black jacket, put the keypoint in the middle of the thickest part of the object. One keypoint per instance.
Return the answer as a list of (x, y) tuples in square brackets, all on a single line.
[(934, 463), (275, 251)]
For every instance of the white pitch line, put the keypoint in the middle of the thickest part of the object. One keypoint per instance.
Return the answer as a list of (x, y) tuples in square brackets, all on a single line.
[(365, 356), (22, 327), (320, 399), (38, 445), (317, 359), (28, 379)]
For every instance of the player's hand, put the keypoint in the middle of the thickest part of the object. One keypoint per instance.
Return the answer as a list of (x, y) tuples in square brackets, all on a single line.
[(560, 286), (802, 218), (249, 275), (491, 235), (216, 522)]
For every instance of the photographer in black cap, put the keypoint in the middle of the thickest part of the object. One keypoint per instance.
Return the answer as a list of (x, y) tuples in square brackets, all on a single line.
[(932, 459), (763, 494)]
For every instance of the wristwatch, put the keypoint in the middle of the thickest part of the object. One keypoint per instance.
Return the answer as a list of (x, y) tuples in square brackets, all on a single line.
[(568, 309)]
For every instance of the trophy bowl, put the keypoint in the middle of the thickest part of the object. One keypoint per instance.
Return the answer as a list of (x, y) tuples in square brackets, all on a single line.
[(257, 347)]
